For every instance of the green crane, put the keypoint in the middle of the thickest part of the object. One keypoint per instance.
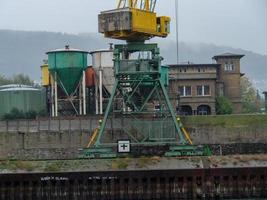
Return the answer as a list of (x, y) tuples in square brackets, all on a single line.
[(139, 110)]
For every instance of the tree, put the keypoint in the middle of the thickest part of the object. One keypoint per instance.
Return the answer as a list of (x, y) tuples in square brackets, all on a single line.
[(21, 79), (251, 100), (4, 80), (223, 106)]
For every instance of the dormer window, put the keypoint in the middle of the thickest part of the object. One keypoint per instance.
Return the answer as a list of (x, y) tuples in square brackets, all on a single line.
[(229, 66)]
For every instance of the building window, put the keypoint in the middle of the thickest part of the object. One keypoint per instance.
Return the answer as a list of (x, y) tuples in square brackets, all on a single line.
[(228, 66), (203, 90), (199, 90), (206, 90), (201, 69), (184, 91)]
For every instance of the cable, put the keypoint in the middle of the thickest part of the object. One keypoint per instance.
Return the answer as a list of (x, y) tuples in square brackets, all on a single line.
[(177, 30)]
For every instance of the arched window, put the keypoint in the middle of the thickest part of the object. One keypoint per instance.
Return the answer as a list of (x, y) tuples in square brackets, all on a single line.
[(203, 110), (186, 110)]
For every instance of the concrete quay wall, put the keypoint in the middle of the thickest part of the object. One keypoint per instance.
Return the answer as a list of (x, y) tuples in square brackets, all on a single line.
[(62, 138)]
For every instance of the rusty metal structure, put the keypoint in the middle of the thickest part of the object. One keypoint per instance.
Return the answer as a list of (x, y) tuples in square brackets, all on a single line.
[(227, 183)]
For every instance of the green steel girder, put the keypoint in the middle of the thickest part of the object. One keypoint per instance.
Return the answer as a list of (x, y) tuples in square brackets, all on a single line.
[(157, 86), (182, 139), (103, 124), (148, 81), (148, 97), (137, 46)]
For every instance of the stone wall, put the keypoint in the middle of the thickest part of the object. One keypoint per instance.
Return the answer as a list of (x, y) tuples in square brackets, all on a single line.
[(62, 138), (57, 138)]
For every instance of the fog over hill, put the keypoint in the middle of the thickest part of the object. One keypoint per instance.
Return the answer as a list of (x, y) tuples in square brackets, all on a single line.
[(23, 52)]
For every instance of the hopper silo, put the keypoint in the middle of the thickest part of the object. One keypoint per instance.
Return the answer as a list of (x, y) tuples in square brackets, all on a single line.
[(102, 62), (67, 74)]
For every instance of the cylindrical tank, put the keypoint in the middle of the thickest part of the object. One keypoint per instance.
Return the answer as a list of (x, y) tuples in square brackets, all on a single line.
[(24, 98), (89, 77), (45, 75), (67, 66), (102, 60)]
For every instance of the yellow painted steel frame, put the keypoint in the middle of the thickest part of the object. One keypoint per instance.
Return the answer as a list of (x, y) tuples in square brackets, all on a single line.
[(93, 138), (134, 3), (145, 24), (143, 21), (164, 22), (187, 136)]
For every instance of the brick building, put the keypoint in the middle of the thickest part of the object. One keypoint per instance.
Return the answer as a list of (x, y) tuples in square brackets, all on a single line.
[(194, 87)]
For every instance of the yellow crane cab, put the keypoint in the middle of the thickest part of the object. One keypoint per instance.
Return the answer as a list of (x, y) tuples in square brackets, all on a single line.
[(133, 20)]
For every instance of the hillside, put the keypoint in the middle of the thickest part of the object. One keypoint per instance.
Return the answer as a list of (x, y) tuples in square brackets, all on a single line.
[(23, 52)]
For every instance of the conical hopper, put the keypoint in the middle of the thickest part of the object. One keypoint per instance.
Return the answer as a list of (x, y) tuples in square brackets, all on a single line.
[(67, 66)]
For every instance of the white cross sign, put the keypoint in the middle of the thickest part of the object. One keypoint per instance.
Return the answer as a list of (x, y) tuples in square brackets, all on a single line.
[(123, 146)]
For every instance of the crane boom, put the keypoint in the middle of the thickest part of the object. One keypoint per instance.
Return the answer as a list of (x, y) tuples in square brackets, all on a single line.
[(147, 5)]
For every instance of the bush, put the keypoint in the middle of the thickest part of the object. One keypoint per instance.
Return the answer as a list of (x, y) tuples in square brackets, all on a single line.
[(14, 114), (18, 114), (223, 106), (251, 100)]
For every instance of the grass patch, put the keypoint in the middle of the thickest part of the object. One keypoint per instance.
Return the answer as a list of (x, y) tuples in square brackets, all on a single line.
[(7, 165), (120, 163), (24, 165), (225, 120), (18, 165), (53, 166), (145, 161)]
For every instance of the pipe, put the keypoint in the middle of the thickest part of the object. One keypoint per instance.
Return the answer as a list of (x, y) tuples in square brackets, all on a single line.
[(80, 98), (56, 103), (101, 91), (52, 96), (96, 97), (177, 29), (84, 94)]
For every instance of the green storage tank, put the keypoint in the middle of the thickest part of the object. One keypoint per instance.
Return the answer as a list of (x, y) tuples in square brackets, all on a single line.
[(24, 98), (67, 65)]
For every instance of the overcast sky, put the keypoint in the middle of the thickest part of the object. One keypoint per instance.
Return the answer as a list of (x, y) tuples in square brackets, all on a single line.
[(235, 23)]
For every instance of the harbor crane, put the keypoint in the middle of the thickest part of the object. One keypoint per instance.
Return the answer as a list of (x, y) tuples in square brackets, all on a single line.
[(139, 110)]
